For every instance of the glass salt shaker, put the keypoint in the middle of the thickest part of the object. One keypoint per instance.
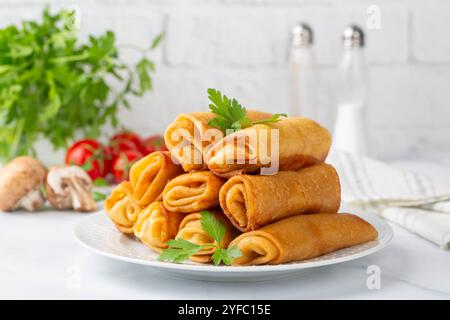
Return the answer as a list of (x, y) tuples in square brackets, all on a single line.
[(351, 95), (302, 73)]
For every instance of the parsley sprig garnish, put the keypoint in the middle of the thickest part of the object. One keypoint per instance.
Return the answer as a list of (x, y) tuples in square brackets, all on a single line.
[(231, 114), (55, 86), (181, 249)]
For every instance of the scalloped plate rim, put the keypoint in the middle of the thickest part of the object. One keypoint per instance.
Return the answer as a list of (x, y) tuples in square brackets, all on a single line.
[(382, 227)]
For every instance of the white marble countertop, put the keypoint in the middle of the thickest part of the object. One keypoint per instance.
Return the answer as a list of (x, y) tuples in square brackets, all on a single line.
[(40, 259)]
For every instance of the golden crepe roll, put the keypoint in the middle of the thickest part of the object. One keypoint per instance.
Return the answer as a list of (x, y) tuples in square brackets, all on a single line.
[(184, 137), (302, 237), (184, 128), (193, 192), (192, 231), (155, 226), (149, 176), (121, 208), (252, 201), (301, 142)]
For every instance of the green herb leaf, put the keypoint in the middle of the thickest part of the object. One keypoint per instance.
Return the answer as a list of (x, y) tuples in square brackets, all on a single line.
[(226, 255), (181, 244), (42, 190), (218, 256), (143, 69), (88, 165), (53, 86), (100, 182), (231, 114), (156, 41), (232, 253), (212, 226), (180, 249), (98, 196), (275, 118)]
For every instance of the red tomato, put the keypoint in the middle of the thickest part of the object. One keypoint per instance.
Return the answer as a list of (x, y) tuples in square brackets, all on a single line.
[(127, 135), (122, 164), (152, 144), (118, 145), (91, 155)]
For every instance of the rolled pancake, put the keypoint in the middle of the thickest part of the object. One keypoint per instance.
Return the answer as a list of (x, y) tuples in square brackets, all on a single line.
[(121, 208), (184, 137), (252, 201), (149, 176), (298, 142), (302, 237), (155, 226), (193, 192), (191, 230)]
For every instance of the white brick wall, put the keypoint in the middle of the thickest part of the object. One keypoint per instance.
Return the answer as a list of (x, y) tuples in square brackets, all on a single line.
[(431, 33), (240, 46)]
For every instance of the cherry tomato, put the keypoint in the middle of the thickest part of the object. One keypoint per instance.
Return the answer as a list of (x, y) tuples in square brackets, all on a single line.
[(91, 156), (152, 144), (127, 135), (122, 164), (118, 145)]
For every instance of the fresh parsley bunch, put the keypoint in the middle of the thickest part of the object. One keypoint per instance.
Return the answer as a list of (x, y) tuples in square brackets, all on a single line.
[(231, 114), (181, 249), (52, 86)]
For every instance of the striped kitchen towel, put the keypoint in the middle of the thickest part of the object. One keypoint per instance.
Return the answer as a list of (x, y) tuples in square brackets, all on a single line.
[(413, 201)]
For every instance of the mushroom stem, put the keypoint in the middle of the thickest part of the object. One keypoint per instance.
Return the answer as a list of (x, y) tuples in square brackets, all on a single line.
[(81, 198), (32, 201)]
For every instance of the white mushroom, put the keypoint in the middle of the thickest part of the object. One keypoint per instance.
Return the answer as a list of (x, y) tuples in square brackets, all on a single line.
[(69, 187), (20, 183)]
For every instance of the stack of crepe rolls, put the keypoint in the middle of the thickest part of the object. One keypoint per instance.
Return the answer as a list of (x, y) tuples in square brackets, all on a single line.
[(160, 203), (290, 215), (155, 226), (148, 177), (189, 136), (252, 201), (289, 144), (192, 231)]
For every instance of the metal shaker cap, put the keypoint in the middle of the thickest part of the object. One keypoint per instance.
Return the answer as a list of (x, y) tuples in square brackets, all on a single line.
[(302, 35), (353, 37)]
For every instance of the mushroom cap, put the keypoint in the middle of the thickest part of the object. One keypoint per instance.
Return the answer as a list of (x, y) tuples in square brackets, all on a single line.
[(17, 178)]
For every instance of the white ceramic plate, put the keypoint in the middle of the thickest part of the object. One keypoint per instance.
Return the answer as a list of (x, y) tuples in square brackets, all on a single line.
[(98, 234)]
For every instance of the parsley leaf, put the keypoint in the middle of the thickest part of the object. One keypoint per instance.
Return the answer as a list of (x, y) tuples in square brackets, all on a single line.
[(100, 182), (212, 226), (275, 118), (231, 114), (156, 41), (226, 255), (98, 196), (180, 249)]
